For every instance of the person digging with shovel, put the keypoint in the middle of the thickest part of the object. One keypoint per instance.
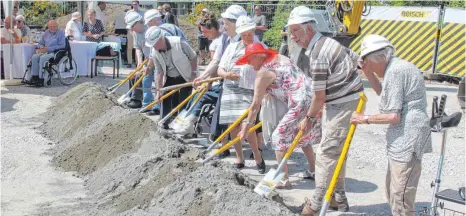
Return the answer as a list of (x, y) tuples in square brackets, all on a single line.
[(280, 73), (176, 63), (135, 22), (336, 87)]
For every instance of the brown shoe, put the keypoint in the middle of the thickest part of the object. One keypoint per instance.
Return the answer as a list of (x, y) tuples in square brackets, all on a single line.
[(339, 206), (307, 210)]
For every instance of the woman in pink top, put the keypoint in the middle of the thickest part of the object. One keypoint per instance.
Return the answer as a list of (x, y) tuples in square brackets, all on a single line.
[(278, 72)]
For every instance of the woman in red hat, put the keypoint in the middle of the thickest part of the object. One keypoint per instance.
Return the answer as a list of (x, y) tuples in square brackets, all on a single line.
[(278, 72)]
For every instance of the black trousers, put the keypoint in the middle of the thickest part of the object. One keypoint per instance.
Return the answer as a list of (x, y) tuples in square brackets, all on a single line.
[(173, 100)]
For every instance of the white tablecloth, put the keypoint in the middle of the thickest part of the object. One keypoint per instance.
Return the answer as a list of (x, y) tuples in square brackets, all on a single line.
[(22, 53), (83, 52)]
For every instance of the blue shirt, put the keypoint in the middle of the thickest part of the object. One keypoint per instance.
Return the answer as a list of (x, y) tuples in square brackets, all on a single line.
[(172, 30), (53, 41)]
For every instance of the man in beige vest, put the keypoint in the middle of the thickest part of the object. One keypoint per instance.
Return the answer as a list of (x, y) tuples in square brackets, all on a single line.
[(176, 63)]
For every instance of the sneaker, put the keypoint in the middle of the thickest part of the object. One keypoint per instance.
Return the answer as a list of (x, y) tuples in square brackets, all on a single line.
[(339, 206), (307, 210), (134, 104), (153, 112), (309, 175)]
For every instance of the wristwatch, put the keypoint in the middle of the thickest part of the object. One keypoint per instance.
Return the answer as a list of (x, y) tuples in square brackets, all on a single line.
[(366, 119), (310, 118), (248, 123)]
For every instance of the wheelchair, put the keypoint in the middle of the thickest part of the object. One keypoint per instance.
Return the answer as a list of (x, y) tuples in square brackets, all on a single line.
[(61, 64)]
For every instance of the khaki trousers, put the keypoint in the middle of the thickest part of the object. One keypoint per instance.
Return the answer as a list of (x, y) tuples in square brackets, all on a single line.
[(399, 176), (335, 127)]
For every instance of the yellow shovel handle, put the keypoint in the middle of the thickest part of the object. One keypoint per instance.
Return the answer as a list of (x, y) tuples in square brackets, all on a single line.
[(161, 98), (293, 145), (236, 123), (184, 102), (204, 90), (235, 140), (137, 82), (341, 160), (134, 72)]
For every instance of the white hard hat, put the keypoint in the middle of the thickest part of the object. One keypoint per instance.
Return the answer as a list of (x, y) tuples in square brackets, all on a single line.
[(75, 15), (151, 14), (20, 18), (234, 12), (372, 43), (244, 24), (205, 10), (153, 34), (131, 18), (301, 14)]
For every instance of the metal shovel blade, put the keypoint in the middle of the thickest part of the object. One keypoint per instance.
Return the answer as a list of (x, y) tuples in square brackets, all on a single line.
[(267, 185)]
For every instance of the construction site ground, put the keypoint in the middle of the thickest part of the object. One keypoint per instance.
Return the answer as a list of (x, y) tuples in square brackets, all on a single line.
[(33, 184)]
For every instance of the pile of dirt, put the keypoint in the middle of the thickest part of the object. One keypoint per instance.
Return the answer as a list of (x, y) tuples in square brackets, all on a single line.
[(132, 170)]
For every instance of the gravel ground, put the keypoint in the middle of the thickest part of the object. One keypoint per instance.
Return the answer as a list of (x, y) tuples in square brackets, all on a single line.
[(37, 187)]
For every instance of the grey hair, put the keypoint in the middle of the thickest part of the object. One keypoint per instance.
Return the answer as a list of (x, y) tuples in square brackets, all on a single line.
[(381, 55), (309, 23)]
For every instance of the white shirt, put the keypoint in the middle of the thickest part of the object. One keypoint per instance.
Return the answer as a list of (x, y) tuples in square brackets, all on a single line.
[(6, 34), (99, 14), (74, 29)]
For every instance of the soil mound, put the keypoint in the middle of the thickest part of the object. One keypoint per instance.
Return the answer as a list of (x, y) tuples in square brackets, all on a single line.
[(130, 169)]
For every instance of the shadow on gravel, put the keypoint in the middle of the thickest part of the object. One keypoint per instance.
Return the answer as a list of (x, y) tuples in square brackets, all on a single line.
[(357, 186), (380, 209), (7, 104), (442, 89)]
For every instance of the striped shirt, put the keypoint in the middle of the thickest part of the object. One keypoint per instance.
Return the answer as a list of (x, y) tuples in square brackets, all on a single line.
[(333, 68)]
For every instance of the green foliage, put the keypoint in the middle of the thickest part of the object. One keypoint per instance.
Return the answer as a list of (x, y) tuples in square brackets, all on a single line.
[(40, 12), (213, 6), (272, 36)]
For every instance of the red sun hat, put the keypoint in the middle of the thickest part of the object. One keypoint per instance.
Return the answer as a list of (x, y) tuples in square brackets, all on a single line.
[(256, 48)]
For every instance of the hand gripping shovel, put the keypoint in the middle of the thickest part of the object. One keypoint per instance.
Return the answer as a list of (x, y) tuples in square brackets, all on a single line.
[(168, 88), (159, 100), (124, 97), (170, 114), (341, 160), (227, 146), (267, 186), (236, 123), (113, 88)]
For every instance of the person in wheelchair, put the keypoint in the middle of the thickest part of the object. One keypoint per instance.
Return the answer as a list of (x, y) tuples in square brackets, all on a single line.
[(52, 40), (403, 106)]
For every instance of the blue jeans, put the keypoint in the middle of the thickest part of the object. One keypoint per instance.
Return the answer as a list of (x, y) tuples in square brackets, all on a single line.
[(210, 97), (147, 91), (38, 62)]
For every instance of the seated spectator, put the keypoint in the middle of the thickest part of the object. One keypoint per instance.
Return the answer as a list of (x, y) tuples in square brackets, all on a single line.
[(52, 40), (74, 27), (10, 34), (25, 30)]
